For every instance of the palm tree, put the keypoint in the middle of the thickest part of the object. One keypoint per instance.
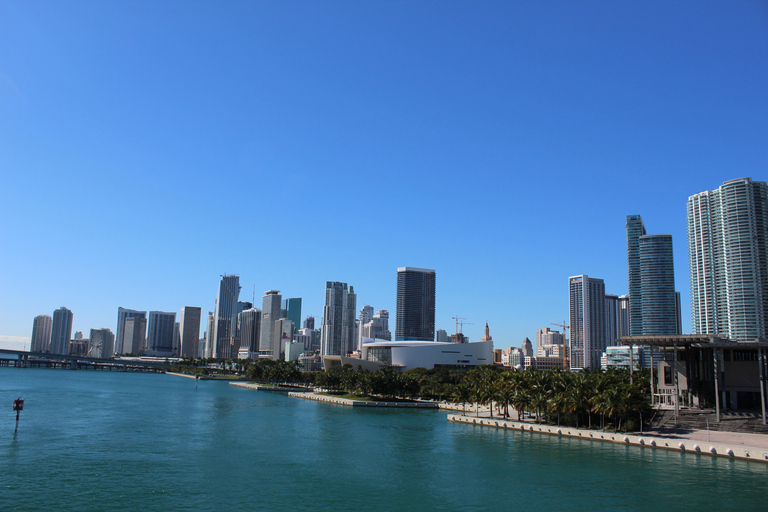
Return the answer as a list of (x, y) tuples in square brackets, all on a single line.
[(461, 395), (505, 395)]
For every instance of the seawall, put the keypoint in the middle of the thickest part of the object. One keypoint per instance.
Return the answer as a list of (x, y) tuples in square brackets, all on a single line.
[(363, 403), (641, 440)]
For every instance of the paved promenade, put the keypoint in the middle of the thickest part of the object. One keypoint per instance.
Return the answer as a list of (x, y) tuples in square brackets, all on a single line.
[(362, 403), (723, 445)]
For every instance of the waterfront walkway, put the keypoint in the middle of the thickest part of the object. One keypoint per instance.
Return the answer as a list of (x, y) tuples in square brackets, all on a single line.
[(721, 443)]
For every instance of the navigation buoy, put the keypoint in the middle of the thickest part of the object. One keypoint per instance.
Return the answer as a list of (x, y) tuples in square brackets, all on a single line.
[(18, 406)]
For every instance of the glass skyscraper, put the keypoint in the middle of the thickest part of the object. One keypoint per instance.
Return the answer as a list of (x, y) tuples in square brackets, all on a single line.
[(657, 286), (635, 229), (728, 256), (653, 307), (415, 304)]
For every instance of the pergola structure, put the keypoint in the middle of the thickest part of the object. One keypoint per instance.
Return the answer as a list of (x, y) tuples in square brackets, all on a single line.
[(705, 363)]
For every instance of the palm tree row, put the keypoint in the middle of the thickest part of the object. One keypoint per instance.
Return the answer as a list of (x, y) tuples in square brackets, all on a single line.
[(574, 399)]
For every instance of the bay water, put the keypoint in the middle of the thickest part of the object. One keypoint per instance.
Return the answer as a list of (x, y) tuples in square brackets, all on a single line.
[(95, 440)]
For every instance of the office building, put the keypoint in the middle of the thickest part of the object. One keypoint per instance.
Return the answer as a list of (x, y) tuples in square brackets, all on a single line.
[(415, 304), (225, 314), (189, 331), (311, 339), (587, 321), (41, 333), (249, 326), (338, 329), (61, 331), (270, 313), (292, 311), (160, 334), (309, 322), (549, 342), (284, 330), (122, 315), (728, 257), (135, 335), (441, 335)]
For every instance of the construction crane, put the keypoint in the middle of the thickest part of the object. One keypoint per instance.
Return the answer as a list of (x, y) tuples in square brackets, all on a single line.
[(565, 337), (460, 327)]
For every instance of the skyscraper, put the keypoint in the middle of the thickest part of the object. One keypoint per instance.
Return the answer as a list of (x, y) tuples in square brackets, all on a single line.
[(122, 315), (651, 278), (728, 257), (61, 331), (41, 333), (338, 330), (415, 304), (657, 286), (587, 320), (249, 322), (270, 313), (635, 229), (292, 310), (208, 352), (189, 331), (225, 319), (160, 335), (135, 335)]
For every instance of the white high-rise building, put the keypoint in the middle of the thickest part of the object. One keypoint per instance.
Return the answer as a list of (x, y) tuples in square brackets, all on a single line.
[(41, 333), (728, 259), (338, 330), (587, 321), (270, 313), (135, 335)]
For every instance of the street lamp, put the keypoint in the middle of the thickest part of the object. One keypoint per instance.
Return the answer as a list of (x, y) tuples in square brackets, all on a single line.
[(706, 418)]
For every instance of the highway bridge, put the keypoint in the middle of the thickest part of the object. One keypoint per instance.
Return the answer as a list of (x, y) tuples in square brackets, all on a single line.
[(25, 359)]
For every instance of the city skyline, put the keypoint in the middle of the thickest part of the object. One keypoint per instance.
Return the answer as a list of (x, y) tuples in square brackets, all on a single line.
[(504, 145)]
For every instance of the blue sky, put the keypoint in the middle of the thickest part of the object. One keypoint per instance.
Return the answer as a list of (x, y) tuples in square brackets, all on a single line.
[(148, 147)]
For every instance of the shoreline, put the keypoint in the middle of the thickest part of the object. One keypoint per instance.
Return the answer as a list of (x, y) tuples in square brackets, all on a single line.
[(675, 443)]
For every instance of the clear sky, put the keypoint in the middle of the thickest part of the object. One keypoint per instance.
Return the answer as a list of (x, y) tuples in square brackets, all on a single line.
[(146, 148)]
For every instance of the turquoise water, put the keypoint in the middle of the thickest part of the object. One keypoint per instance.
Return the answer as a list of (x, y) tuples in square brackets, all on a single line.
[(91, 440)]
